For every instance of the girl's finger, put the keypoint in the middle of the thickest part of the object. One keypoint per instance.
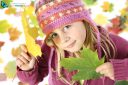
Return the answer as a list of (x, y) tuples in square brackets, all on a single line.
[(24, 48), (28, 58), (103, 67), (23, 59), (19, 63), (100, 68)]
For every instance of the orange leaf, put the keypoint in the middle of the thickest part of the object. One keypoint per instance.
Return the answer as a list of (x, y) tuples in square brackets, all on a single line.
[(1, 44), (116, 21), (16, 51), (107, 7), (10, 10), (14, 34)]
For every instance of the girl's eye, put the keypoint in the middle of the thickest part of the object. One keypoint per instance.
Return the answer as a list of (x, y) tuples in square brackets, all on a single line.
[(66, 27), (54, 35)]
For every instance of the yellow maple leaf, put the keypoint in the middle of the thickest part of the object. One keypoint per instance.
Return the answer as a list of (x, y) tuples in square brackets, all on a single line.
[(29, 10), (14, 33), (33, 32), (101, 19), (32, 47)]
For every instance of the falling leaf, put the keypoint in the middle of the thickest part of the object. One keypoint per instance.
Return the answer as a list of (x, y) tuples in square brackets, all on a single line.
[(14, 34), (16, 51), (101, 19), (1, 44), (10, 10), (85, 65), (107, 7), (32, 47), (4, 26), (3, 77), (10, 69), (33, 32), (123, 11), (90, 2), (29, 10), (115, 21)]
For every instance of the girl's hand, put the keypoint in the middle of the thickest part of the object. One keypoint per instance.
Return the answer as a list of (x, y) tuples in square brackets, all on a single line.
[(25, 61), (106, 69)]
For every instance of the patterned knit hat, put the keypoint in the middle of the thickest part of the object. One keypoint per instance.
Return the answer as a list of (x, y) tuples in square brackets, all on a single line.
[(52, 14)]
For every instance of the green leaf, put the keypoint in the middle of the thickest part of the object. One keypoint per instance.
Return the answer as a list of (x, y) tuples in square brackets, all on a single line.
[(10, 69), (121, 83), (4, 26), (90, 2), (85, 65)]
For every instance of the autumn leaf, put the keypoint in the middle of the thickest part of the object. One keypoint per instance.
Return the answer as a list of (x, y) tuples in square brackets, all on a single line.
[(10, 10), (10, 69), (4, 26), (107, 7), (100, 19), (1, 44), (32, 47), (16, 51), (123, 11), (33, 32), (29, 10), (115, 21), (90, 2), (14, 34), (85, 65), (34, 23)]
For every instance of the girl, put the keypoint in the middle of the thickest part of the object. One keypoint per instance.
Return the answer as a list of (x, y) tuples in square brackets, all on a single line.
[(68, 27)]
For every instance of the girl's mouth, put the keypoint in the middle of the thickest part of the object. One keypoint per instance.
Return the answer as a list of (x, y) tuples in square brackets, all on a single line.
[(71, 45)]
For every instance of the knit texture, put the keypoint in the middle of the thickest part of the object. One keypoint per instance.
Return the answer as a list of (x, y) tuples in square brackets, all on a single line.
[(57, 13)]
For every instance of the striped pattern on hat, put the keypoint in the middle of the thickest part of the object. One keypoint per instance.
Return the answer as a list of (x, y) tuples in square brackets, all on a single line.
[(52, 14)]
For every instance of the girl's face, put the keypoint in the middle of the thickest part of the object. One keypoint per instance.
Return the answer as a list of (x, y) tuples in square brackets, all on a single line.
[(70, 37)]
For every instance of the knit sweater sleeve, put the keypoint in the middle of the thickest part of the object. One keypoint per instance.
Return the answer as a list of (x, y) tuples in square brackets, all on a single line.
[(120, 63), (40, 70)]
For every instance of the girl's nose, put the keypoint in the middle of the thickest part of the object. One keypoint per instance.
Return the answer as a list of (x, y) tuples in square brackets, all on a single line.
[(64, 38), (67, 39)]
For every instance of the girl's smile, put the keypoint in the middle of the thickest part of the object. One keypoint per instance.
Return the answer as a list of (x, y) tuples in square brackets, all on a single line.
[(71, 45)]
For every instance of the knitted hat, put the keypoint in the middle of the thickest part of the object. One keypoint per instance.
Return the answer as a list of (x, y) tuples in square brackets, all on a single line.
[(52, 14), (56, 13)]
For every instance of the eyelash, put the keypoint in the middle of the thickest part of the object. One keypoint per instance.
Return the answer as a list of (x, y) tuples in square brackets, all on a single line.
[(68, 26), (52, 36)]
